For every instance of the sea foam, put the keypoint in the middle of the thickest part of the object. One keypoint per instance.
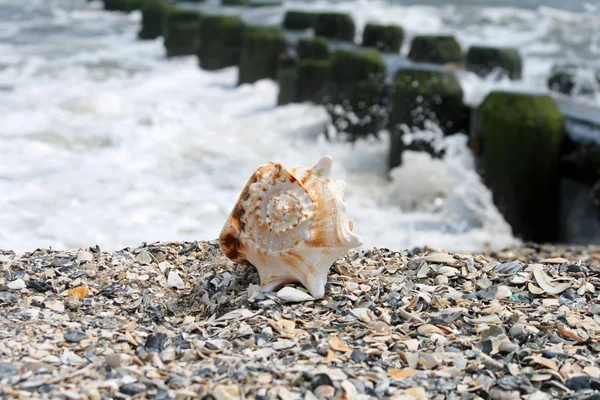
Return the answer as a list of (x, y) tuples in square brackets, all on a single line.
[(104, 141)]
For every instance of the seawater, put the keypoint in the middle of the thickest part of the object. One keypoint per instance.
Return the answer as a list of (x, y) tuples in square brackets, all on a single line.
[(105, 141)]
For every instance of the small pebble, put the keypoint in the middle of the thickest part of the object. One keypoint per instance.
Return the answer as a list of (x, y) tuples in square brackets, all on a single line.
[(7, 370), (8, 297), (17, 284), (113, 360), (358, 356), (144, 257), (74, 336), (84, 256), (132, 389)]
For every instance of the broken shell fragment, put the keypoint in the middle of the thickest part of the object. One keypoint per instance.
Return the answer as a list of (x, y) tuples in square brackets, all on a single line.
[(291, 225), (545, 282)]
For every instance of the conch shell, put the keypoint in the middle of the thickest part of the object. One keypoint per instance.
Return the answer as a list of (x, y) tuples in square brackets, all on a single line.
[(291, 225)]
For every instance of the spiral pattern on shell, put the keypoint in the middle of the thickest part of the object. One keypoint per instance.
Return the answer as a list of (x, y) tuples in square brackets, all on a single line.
[(277, 206)]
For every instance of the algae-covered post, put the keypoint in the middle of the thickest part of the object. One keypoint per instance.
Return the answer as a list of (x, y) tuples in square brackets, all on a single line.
[(357, 84), (250, 3), (581, 161), (571, 79), (305, 79), (287, 78), (562, 80), (132, 5), (261, 48), (182, 32), (312, 76), (522, 136), (436, 49), (299, 20), (385, 38), (114, 5), (424, 94), (123, 5), (316, 48), (483, 60), (350, 67), (235, 2), (336, 26), (154, 15), (351, 79), (221, 41)]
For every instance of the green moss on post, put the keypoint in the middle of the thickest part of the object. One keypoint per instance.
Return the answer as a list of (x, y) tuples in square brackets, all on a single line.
[(568, 79), (299, 20), (386, 38), (306, 81), (182, 32), (337, 26), (427, 94), (154, 14), (287, 78), (114, 5), (522, 137), (562, 80), (260, 4), (124, 5), (260, 52), (435, 49), (250, 3), (356, 83), (312, 80), (483, 60), (420, 95), (221, 44), (348, 67), (235, 2), (132, 5), (313, 48)]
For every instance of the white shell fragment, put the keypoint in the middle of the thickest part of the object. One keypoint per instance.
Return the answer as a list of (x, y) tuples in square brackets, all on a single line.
[(293, 295), (17, 284), (174, 280), (440, 258), (291, 225), (545, 282)]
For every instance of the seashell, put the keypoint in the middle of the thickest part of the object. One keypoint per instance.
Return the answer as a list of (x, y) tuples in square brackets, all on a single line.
[(291, 225)]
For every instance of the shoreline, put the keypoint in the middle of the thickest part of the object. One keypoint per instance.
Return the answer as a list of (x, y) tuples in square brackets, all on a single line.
[(179, 320)]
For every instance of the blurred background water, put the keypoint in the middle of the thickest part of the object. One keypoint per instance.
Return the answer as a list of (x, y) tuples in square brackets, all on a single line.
[(105, 141)]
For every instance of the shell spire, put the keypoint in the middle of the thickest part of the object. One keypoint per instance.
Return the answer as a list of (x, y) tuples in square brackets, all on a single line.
[(291, 225)]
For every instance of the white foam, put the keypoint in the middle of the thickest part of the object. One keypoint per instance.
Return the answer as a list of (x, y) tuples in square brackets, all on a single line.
[(104, 141)]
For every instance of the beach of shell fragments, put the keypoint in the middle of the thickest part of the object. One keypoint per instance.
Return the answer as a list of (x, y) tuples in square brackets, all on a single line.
[(178, 320)]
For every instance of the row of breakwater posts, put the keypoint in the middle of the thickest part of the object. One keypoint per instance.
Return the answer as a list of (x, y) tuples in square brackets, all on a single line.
[(539, 160)]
